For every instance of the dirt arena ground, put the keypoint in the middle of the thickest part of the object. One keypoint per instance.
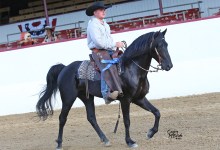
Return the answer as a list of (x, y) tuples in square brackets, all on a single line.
[(197, 118)]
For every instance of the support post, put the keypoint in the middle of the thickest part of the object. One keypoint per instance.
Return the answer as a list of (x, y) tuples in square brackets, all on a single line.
[(161, 7), (46, 12)]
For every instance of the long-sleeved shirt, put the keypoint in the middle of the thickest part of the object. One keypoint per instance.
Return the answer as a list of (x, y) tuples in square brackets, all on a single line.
[(99, 35)]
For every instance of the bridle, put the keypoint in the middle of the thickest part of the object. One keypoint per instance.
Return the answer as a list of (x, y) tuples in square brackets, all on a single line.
[(158, 55)]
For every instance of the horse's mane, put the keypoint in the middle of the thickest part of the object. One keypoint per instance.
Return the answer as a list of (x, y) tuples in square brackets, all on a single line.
[(138, 47)]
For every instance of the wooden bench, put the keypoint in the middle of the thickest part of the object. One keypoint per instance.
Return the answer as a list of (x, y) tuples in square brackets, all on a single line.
[(52, 6), (60, 10), (4, 9), (40, 2)]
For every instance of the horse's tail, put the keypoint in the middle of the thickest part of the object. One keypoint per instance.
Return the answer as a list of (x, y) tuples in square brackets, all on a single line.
[(44, 106)]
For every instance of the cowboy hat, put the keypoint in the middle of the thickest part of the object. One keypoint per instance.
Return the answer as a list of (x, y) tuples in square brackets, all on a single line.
[(97, 5)]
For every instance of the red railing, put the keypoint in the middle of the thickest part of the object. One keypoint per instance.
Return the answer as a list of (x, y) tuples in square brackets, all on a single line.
[(153, 20)]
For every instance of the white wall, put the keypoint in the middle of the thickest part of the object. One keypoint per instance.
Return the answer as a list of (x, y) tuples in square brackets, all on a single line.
[(194, 49)]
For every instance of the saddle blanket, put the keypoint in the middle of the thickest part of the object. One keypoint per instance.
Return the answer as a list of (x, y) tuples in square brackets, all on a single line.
[(87, 71)]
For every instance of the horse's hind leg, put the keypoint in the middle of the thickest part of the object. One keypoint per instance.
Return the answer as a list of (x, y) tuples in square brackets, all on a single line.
[(145, 104), (91, 117), (68, 97)]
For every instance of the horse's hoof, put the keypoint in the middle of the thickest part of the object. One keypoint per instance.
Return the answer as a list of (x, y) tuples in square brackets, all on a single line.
[(59, 148), (133, 145), (150, 134), (107, 144)]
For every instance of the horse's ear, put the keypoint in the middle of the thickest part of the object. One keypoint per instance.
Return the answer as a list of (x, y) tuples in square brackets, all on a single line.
[(156, 34), (164, 32)]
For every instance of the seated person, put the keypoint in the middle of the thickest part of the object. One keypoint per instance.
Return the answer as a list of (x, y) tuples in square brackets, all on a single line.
[(58, 35), (27, 40), (50, 36), (69, 34)]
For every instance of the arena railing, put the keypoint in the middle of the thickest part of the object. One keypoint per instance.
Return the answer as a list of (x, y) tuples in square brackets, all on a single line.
[(155, 20), (111, 18), (66, 26), (213, 8), (75, 27)]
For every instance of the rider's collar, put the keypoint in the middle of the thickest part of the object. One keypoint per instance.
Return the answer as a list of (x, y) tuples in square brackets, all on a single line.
[(93, 18)]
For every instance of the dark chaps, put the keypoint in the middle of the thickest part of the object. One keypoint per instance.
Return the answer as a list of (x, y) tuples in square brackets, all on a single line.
[(111, 75)]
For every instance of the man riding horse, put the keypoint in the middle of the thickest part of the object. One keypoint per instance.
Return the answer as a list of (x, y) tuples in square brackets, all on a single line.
[(135, 61), (102, 45)]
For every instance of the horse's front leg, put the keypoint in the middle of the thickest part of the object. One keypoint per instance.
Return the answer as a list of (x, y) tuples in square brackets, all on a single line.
[(145, 104), (125, 105)]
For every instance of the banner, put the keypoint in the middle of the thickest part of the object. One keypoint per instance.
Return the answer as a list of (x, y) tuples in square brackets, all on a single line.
[(36, 28)]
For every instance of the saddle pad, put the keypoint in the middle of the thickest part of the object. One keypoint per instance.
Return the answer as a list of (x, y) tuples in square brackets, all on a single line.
[(87, 71)]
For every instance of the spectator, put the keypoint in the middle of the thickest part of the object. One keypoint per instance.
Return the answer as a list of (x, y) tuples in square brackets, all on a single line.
[(73, 33), (27, 40), (69, 33), (59, 36), (9, 46), (50, 36)]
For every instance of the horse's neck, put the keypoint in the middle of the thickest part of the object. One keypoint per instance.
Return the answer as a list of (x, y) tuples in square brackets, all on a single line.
[(134, 77), (136, 68), (144, 61), (140, 63)]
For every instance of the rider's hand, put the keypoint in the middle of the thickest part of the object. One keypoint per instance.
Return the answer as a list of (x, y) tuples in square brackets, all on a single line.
[(119, 44)]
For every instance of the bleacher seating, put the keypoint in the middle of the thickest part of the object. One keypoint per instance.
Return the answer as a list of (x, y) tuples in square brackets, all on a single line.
[(40, 2), (4, 9), (56, 8), (2, 46), (123, 25), (218, 13), (153, 20), (52, 6)]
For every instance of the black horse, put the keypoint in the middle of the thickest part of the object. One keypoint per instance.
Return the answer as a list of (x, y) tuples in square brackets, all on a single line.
[(136, 62)]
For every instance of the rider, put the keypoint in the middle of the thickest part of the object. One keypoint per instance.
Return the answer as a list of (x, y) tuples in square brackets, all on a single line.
[(102, 45)]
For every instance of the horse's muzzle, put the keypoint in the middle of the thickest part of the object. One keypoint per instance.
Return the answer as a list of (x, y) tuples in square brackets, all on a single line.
[(167, 67)]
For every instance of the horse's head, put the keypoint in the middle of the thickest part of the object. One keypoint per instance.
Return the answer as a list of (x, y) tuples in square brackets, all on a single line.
[(159, 50)]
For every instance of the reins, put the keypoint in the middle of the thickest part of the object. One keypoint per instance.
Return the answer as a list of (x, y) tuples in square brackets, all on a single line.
[(156, 68), (116, 125)]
